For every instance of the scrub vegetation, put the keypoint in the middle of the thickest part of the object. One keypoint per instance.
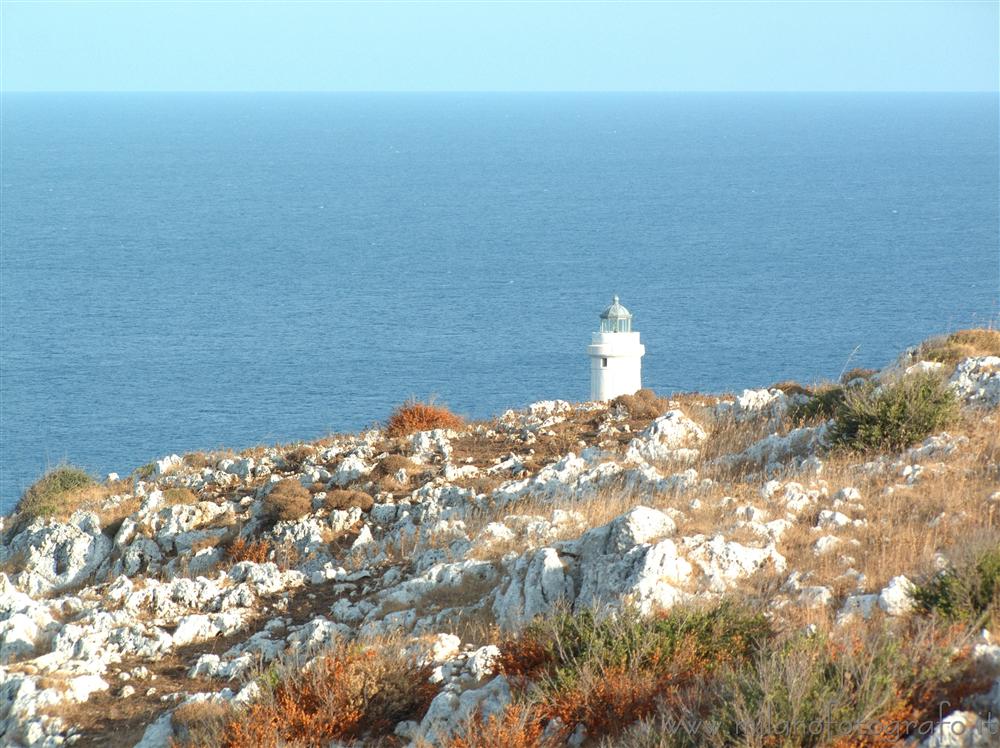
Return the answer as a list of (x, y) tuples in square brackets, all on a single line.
[(414, 416)]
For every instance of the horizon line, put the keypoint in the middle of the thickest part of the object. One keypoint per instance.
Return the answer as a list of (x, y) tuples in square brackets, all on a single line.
[(495, 91)]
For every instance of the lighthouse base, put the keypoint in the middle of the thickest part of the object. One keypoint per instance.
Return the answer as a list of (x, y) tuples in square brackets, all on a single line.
[(615, 364)]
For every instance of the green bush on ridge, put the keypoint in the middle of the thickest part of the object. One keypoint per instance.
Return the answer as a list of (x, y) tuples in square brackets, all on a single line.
[(895, 415), (45, 497)]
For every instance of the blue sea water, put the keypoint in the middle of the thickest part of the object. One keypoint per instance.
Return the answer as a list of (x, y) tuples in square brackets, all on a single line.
[(186, 272)]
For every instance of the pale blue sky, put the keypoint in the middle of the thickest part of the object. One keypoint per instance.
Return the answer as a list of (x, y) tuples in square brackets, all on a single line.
[(484, 46)]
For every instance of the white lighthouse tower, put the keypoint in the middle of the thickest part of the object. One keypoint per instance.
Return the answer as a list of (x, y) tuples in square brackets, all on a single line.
[(615, 355)]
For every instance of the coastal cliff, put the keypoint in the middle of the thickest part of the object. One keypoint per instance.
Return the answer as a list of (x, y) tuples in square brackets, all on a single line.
[(650, 571)]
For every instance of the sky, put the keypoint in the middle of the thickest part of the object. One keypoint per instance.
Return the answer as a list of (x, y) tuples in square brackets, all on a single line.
[(499, 46)]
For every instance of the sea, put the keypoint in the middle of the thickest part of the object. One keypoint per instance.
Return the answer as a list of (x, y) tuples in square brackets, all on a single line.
[(195, 271)]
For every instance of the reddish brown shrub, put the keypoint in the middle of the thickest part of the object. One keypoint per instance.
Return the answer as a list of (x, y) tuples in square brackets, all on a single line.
[(524, 656), (607, 702), (415, 416), (516, 727), (347, 695), (347, 499), (288, 500), (294, 457), (242, 549)]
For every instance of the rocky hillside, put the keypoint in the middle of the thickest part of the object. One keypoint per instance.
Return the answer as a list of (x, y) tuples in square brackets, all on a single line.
[(786, 566)]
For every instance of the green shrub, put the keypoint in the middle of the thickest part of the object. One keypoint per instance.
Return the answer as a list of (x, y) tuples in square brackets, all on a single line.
[(561, 647), (857, 373), (47, 496), (894, 416), (822, 405), (145, 472), (606, 673), (811, 690), (970, 592)]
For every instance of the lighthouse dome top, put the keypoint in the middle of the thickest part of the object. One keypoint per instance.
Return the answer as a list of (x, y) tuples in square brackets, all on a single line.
[(616, 318)]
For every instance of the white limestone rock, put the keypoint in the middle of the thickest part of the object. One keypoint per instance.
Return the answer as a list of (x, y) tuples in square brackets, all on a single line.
[(198, 627), (723, 563), (431, 446), (815, 596), (831, 519), (962, 730), (647, 576), (858, 605), (825, 544), (896, 598), (166, 465), (350, 469), (482, 662), (58, 555), (19, 635), (773, 451), (977, 381), (449, 710), (538, 581), (664, 436), (753, 403), (158, 734)]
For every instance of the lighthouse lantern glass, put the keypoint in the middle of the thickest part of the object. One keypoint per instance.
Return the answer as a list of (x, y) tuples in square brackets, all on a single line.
[(616, 318)]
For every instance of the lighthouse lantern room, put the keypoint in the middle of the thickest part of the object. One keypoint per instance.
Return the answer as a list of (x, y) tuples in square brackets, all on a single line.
[(615, 355)]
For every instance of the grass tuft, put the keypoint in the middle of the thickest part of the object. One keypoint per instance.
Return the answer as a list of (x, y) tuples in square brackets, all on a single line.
[(242, 549), (960, 345), (643, 405), (414, 416)]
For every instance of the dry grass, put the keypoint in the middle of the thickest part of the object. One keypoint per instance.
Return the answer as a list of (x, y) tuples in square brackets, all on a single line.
[(241, 549), (200, 723), (198, 460), (289, 500), (296, 456), (385, 471), (340, 498), (857, 373), (959, 345), (179, 497), (643, 405), (472, 590), (414, 416)]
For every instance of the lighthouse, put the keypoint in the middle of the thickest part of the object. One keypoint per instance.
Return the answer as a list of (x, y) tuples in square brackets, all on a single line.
[(615, 355)]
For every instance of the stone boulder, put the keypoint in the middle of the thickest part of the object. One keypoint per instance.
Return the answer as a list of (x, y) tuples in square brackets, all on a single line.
[(668, 437), (55, 555)]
